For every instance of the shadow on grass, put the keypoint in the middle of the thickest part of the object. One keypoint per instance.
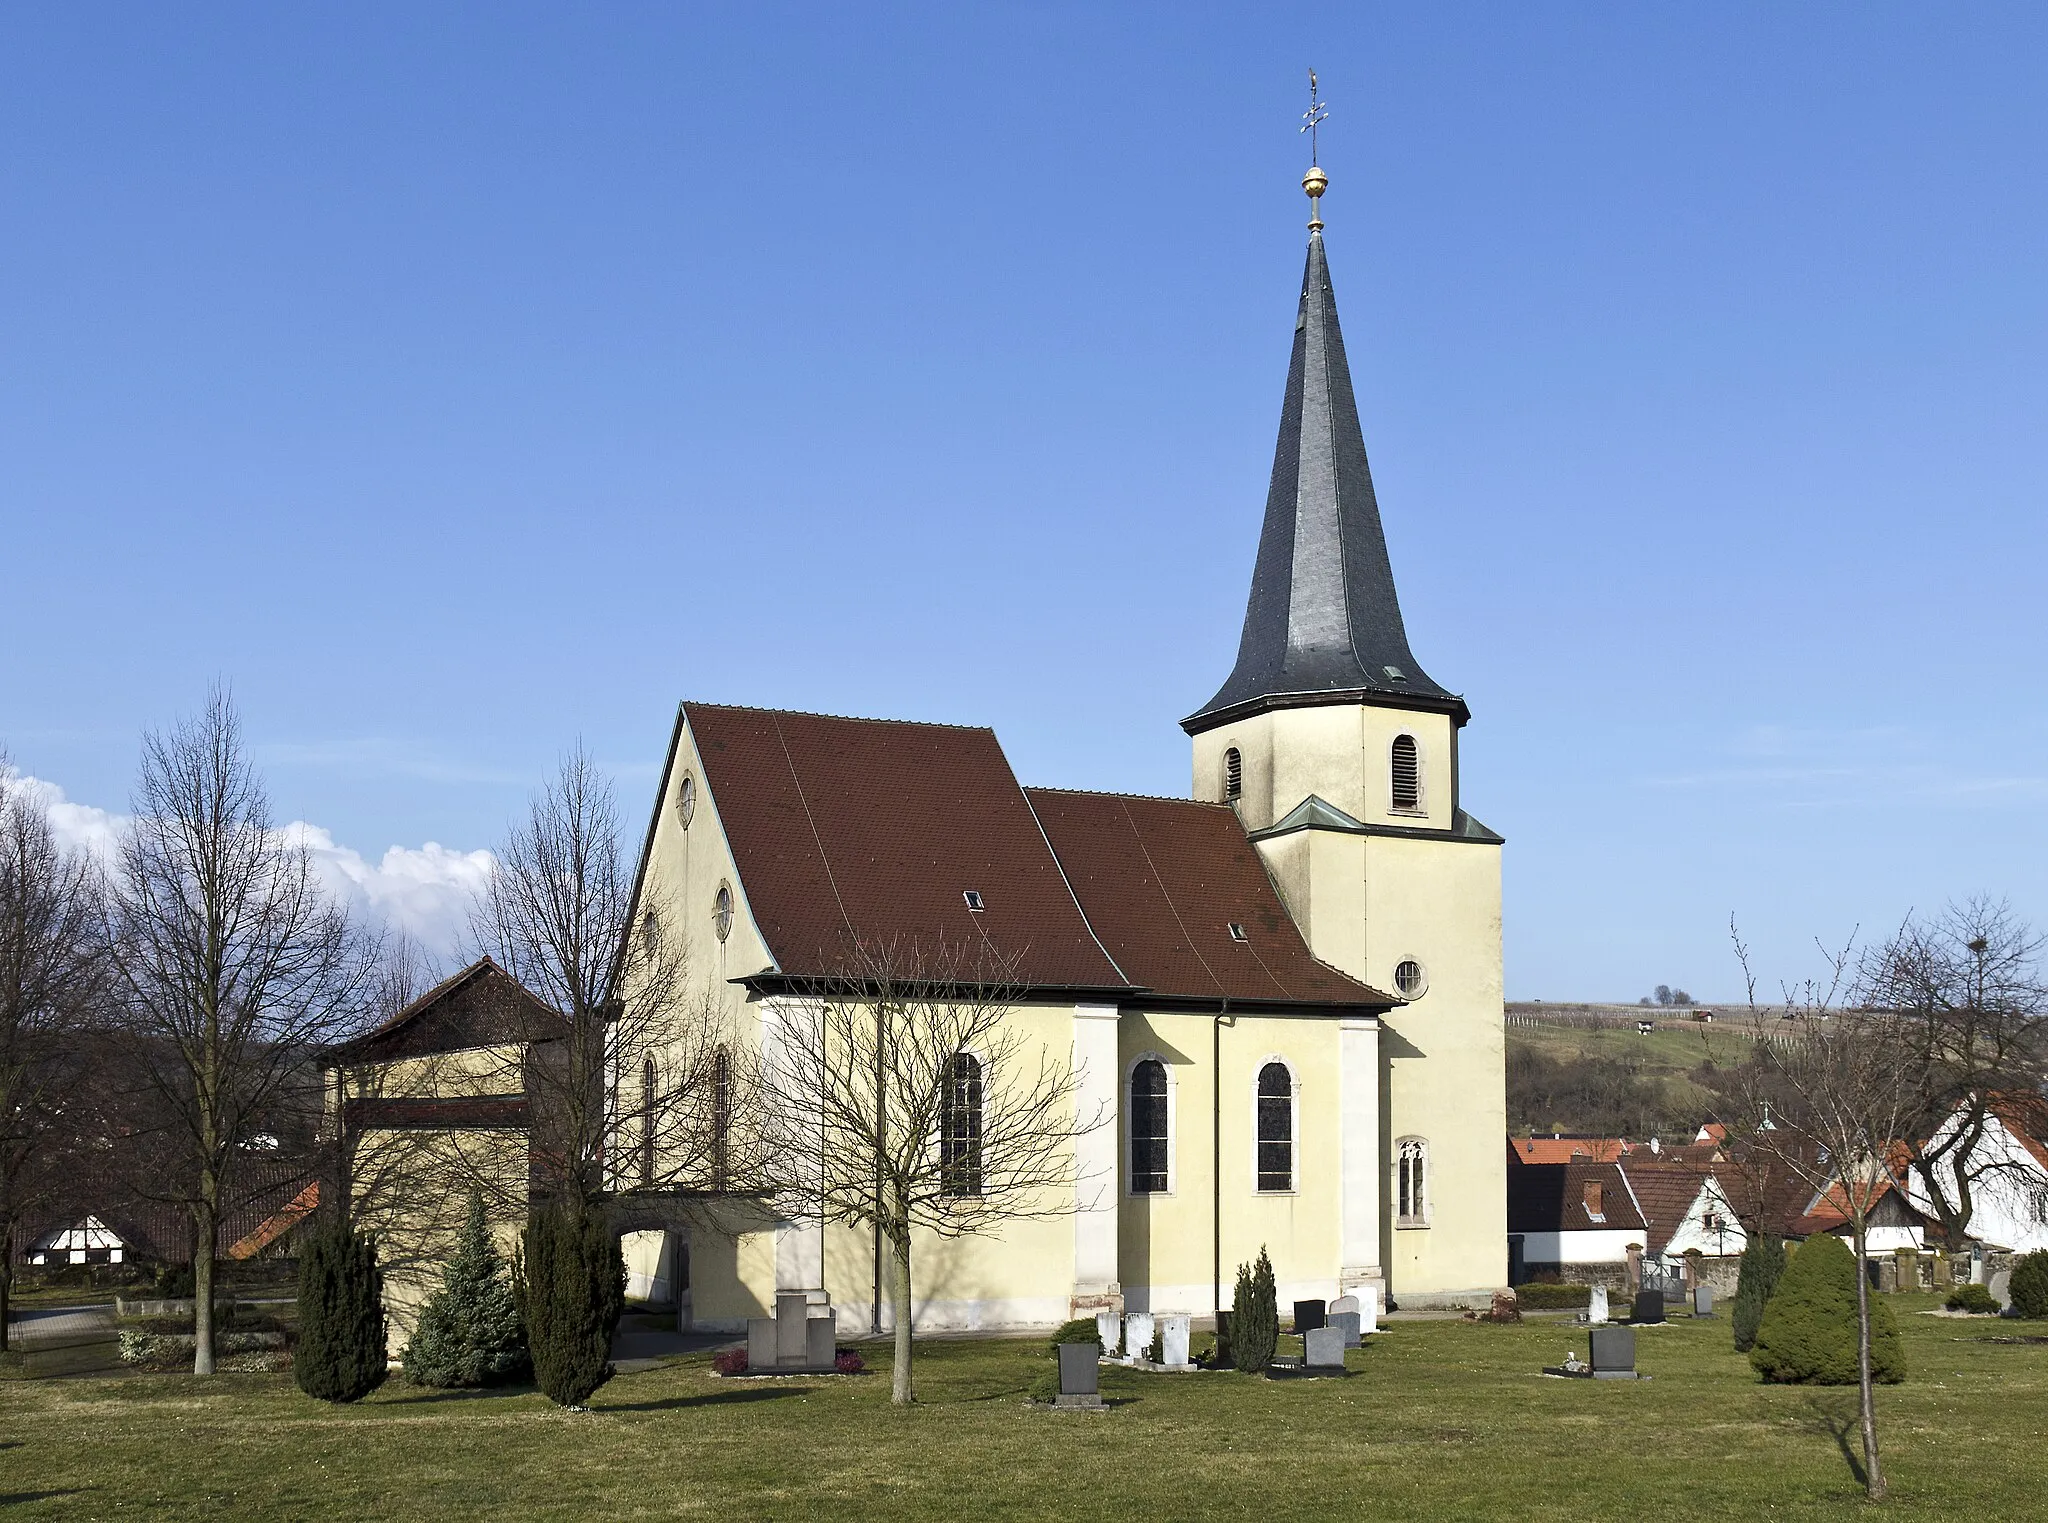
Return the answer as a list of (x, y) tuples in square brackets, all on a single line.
[(413, 1396), (22, 1498), (714, 1399), (1841, 1419)]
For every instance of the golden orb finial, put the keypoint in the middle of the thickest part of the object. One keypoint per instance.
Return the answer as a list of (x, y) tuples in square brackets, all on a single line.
[(1315, 182)]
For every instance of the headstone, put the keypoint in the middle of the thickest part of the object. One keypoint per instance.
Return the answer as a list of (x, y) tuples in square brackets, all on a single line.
[(792, 1336), (1368, 1309), (1078, 1386), (1325, 1348), (1703, 1301), (1613, 1353), (1138, 1335), (1307, 1315), (1173, 1340), (1596, 1305), (1649, 1306), (2000, 1286), (1343, 1304), (760, 1343), (1109, 1330), (821, 1343), (1347, 1323)]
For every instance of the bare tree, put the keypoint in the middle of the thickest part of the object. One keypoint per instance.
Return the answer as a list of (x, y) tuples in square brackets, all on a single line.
[(1829, 1091), (901, 1095), (51, 983), (640, 1088), (1968, 988), (232, 969)]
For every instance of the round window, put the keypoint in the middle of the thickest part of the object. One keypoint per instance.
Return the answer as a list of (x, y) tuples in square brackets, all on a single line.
[(686, 800), (721, 912), (1410, 979)]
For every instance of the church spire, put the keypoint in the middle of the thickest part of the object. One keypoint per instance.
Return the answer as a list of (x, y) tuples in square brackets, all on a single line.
[(1323, 624)]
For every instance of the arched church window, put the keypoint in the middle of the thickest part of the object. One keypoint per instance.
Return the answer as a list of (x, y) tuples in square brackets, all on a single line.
[(1407, 768), (1276, 1129), (721, 912), (1150, 1144), (1412, 1195), (1233, 775), (721, 1117), (647, 1108), (960, 1128)]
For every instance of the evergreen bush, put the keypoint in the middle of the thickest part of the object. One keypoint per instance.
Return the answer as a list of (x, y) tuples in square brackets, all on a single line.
[(1763, 1261), (1977, 1300), (1808, 1334), (1550, 1296), (2028, 1286), (470, 1332), (341, 1353), (1080, 1330), (1254, 1316), (572, 1289)]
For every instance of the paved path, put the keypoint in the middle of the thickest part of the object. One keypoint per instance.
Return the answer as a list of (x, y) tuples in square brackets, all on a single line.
[(60, 1324)]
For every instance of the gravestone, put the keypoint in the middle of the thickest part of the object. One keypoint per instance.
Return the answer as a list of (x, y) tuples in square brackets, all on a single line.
[(1703, 1301), (1308, 1314), (1342, 1304), (1596, 1305), (1138, 1336), (1347, 1323), (1078, 1379), (1174, 1329), (1649, 1306), (1613, 1353), (2000, 1287), (821, 1342), (1324, 1348), (1368, 1309), (792, 1335), (1109, 1330), (760, 1343)]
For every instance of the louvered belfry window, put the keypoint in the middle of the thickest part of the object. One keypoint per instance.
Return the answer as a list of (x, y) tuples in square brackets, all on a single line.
[(1233, 774), (1407, 774), (1276, 1128), (1149, 1142), (960, 1129)]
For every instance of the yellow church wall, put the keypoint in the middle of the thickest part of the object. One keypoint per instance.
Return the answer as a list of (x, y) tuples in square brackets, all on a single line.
[(1342, 753), (1167, 1242)]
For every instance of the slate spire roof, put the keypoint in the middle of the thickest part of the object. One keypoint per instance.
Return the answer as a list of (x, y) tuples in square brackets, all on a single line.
[(1323, 624)]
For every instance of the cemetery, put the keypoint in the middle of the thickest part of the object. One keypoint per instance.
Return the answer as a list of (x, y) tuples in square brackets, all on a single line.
[(1438, 1418)]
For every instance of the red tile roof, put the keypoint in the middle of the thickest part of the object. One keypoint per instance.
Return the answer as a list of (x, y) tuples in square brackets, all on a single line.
[(481, 1006), (873, 831), (870, 831), (1665, 1191), (2026, 1117), (1565, 1149), (1551, 1197), (1163, 880)]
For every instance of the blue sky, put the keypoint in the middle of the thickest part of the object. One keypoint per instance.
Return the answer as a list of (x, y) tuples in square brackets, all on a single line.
[(458, 381)]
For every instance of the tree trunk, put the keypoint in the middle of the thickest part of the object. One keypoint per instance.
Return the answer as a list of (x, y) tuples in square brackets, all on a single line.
[(6, 1278), (1873, 1471), (202, 1290), (899, 1300)]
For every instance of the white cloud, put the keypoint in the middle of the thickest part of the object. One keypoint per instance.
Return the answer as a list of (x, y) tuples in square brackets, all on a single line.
[(425, 891)]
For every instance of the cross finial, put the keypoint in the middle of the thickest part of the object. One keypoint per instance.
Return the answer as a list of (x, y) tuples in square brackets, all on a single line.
[(1315, 182)]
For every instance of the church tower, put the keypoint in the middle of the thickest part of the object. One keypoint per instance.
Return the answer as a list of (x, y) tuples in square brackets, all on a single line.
[(1340, 754)]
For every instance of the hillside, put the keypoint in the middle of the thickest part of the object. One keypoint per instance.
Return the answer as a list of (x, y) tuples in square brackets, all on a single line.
[(1587, 1069)]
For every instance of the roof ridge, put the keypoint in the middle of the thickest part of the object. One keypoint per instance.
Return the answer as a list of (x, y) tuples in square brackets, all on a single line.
[(1113, 793), (920, 724)]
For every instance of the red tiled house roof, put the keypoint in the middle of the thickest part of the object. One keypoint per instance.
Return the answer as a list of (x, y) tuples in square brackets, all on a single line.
[(1553, 1197)]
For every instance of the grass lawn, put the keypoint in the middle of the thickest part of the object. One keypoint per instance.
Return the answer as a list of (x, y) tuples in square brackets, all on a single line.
[(1443, 1420)]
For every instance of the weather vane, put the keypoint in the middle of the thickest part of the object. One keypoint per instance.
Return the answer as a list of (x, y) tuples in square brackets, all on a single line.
[(1315, 182), (1313, 118)]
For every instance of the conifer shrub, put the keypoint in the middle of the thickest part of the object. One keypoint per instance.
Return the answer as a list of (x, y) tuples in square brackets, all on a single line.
[(1554, 1297), (1254, 1316), (470, 1332), (1763, 1262), (2029, 1285), (1976, 1300), (1808, 1333), (572, 1290), (1080, 1330), (341, 1353)]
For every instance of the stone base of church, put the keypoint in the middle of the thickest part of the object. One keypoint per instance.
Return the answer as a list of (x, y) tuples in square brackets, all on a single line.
[(1478, 1299)]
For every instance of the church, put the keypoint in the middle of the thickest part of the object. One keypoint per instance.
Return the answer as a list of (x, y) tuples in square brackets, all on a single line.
[(1284, 990)]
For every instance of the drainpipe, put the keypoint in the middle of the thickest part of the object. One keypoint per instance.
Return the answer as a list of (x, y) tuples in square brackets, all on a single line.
[(1216, 1148)]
